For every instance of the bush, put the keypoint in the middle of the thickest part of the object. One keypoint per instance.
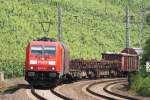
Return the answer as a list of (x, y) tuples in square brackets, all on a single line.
[(140, 84), (12, 68), (144, 88)]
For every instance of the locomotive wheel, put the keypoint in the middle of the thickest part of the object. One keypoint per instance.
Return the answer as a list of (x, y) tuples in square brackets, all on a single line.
[(69, 78), (35, 86), (60, 80), (83, 75), (113, 73)]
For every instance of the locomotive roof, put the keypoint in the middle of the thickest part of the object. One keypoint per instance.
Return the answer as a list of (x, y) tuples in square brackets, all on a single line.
[(45, 39), (44, 43)]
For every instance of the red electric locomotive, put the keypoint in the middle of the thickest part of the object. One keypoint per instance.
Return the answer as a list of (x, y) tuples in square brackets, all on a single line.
[(47, 61)]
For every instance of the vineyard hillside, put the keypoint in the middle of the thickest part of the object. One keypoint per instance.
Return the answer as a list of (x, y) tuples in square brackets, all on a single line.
[(90, 27)]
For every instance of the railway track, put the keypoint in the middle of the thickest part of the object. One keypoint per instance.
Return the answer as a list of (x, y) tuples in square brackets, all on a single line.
[(37, 95), (106, 89), (106, 92), (95, 90), (59, 95), (51, 93)]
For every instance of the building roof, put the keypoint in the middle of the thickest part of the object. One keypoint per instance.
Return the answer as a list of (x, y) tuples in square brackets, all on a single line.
[(139, 51)]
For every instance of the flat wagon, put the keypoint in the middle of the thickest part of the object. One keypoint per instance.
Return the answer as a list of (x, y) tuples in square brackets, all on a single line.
[(93, 68)]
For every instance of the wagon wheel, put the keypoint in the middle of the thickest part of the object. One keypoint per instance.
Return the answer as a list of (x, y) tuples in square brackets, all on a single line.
[(91, 75), (112, 73), (83, 74)]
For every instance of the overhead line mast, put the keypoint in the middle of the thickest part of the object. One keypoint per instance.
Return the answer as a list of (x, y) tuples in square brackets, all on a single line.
[(142, 12), (59, 10), (128, 36), (127, 41)]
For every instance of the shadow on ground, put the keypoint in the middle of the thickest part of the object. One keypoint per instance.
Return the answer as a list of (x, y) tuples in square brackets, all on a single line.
[(124, 88), (12, 89)]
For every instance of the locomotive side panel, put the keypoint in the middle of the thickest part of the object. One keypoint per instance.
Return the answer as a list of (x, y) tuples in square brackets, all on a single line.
[(59, 62), (66, 59)]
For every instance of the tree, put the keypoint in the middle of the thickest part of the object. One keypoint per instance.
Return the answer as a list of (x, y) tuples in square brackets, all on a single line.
[(148, 19), (146, 53)]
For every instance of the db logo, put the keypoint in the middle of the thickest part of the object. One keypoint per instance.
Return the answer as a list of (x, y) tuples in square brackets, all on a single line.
[(42, 62), (43, 59)]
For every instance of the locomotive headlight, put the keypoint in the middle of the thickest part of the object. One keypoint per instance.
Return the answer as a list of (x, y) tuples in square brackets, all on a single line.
[(33, 61), (31, 67), (53, 68), (52, 62)]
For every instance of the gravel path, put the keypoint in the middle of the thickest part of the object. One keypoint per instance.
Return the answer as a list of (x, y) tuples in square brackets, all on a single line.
[(18, 95), (14, 90)]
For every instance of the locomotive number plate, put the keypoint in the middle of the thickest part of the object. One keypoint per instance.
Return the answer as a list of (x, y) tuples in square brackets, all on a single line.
[(41, 68), (43, 62)]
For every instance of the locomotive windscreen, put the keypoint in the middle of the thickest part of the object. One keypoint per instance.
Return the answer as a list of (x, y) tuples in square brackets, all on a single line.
[(47, 50), (36, 50), (50, 50)]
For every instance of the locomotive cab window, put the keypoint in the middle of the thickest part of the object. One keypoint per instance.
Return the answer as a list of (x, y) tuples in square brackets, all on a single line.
[(36, 50), (46, 50), (49, 50)]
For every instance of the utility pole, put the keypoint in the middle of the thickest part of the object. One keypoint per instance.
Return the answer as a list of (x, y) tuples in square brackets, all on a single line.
[(142, 13), (105, 6), (128, 37), (59, 10), (127, 42)]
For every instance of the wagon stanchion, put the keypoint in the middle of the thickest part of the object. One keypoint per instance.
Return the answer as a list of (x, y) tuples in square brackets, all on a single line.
[(129, 79)]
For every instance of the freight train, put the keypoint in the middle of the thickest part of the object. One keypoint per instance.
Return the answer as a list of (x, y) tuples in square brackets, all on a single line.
[(48, 63)]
